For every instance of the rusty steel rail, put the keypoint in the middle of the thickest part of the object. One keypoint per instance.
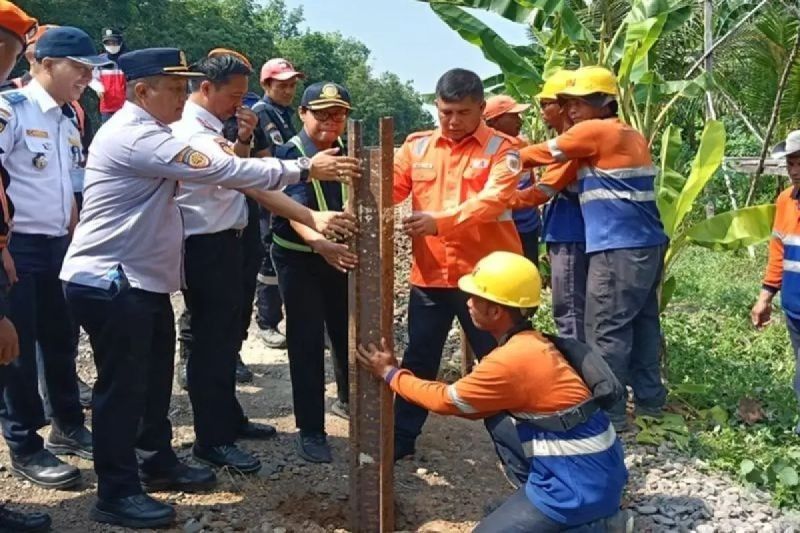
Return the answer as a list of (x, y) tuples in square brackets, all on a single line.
[(371, 317)]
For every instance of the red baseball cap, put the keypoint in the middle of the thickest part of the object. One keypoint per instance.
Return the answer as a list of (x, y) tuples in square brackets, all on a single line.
[(279, 69), (502, 104), (15, 20)]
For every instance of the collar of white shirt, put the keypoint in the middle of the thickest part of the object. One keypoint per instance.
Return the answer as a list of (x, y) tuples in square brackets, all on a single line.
[(41, 97), (202, 115)]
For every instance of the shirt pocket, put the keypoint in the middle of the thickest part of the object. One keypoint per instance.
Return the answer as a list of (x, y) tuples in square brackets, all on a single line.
[(42, 151), (475, 179), (423, 183)]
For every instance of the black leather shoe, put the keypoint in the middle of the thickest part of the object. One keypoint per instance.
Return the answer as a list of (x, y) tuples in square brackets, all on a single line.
[(253, 430), (14, 521), (403, 449), (181, 477), (228, 455), (46, 470), (84, 394), (243, 374), (70, 440), (313, 447), (137, 511)]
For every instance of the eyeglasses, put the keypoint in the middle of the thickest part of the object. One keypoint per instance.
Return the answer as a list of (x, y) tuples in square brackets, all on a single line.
[(323, 115)]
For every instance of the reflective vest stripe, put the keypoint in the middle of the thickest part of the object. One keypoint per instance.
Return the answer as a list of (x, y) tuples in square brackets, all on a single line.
[(606, 194), (421, 145), (538, 448), (289, 245), (555, 151), (617, 173), (791, 266), (462, 406), (493, 146), (321, 202)]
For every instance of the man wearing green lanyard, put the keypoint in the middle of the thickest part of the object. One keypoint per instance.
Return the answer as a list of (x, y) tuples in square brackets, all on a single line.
[(312, 274)]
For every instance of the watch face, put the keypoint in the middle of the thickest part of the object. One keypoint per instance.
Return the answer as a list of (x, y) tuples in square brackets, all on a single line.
[(304, 162)]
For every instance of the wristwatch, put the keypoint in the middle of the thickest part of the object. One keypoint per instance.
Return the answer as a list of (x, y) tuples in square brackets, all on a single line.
[(305, 168)]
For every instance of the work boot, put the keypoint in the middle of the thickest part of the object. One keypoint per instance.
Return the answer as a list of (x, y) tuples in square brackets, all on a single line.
[(14, 521), (46, 470), (255, 431), (228, 455), (313, 447), (341, 409), (181, 477), (653, 412), (70, 440), (138, 511), (272, 338), (84, 394), (243, 374)]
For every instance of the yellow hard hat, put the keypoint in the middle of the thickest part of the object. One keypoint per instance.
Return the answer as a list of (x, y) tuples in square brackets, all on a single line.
[(591, 80), (505, 278), (555, 84)]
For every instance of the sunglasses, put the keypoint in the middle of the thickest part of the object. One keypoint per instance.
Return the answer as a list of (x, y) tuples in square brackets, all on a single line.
[(323, 115)]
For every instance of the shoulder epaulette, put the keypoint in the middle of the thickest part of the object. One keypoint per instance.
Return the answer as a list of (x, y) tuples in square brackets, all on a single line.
[(259, 106), (13, 97), (419, 134)]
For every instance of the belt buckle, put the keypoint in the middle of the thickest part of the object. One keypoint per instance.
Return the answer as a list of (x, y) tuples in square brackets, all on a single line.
[(238, 233)]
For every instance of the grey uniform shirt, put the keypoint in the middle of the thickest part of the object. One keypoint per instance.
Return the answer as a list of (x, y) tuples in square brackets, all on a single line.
[(207, 208), (39, 146), (130, 219)]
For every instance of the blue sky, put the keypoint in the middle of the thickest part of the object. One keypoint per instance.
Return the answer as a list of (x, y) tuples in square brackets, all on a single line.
[(406, 37)]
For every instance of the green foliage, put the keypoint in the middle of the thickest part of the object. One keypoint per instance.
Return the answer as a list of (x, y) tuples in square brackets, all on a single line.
[(716, 358), (260, 30)]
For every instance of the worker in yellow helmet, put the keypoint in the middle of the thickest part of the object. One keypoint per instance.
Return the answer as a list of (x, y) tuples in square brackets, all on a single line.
[(625, 240), (577, 470)]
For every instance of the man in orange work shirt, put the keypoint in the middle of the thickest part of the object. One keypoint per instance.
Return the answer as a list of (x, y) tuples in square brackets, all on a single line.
[(461, 178), (576, 469), (783, 268)]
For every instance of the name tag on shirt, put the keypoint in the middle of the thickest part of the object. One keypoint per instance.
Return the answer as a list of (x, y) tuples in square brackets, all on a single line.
[(422, 165), (480, 163), (41, 134)]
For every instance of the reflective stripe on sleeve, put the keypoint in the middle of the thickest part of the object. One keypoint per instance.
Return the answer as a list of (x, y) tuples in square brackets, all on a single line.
[(462, 406), (555, 151)]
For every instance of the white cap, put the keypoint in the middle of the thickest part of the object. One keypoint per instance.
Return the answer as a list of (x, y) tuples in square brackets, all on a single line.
[(788, 147)]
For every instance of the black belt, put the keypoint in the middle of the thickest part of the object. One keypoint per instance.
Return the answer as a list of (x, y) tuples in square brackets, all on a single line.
[(563, 420)]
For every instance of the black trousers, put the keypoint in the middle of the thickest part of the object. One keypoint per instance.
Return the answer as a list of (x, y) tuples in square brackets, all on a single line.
[(40, 315), (253, 255), (210, 333), (132, 333), (530, 245), (269, 306), (315, 296)]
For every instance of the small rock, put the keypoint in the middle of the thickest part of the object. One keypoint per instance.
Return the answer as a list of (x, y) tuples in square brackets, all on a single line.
[(192, 526), (279, 530), (422, 471), (646, 509)]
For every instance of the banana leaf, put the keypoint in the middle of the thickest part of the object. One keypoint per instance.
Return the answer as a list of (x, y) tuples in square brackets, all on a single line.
[(494, 47), (510, 9), (706, 162), (734, 229)]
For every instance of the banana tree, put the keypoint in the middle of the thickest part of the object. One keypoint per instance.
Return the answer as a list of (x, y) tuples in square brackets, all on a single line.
[(677, 195), (618, 34)]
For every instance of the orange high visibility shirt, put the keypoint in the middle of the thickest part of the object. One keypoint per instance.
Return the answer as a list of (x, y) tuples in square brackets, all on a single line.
[(467, 186), (527, 375), (783, 268)]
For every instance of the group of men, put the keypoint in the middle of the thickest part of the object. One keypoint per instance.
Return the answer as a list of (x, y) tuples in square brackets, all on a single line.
[(178, 195)]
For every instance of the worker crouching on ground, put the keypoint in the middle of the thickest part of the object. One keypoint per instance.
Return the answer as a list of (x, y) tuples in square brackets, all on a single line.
[(577, 470), (312, 275)]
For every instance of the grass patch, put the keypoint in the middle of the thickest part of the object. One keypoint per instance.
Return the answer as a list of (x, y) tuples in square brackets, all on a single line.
[(716, 358)]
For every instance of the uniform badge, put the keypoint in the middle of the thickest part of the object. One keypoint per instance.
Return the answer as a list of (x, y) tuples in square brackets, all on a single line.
[(329, 90), (3, 124), (512, 162), (225, 145), (275, 136), (193, 158), (40, 161), (39, 134)]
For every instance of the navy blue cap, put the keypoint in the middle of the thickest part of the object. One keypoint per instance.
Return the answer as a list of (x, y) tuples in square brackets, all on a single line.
[(69, 42), (155, 62), (325, 94), (111, 34)]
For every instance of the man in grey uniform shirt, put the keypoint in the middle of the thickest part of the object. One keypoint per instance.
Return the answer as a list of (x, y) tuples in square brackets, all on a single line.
[(124, 261)]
